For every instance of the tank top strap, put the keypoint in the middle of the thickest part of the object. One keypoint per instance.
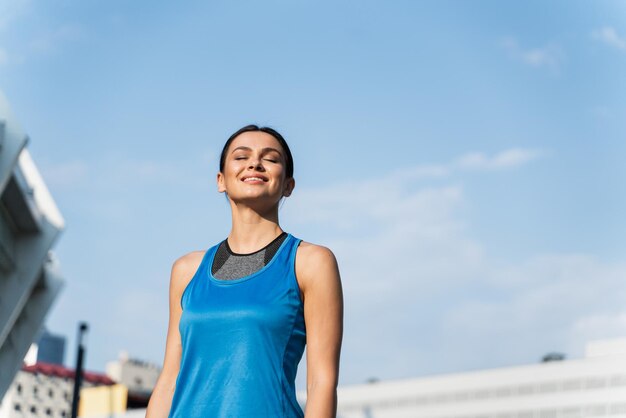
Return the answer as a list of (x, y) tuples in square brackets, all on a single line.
[(291, 253), (201, 272), (291, 264)]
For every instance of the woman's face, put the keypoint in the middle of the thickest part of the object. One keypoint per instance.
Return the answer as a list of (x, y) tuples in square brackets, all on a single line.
[(255, 170)]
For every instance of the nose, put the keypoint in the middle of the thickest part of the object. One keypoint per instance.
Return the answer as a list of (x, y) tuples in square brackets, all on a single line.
[(255, 163)]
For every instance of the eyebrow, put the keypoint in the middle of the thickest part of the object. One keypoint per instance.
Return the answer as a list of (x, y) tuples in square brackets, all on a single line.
[(263, 151)]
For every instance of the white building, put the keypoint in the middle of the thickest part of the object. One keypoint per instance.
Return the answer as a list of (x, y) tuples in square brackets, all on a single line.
[(29, 224), (137, 375), (594, 386), (45, 390)]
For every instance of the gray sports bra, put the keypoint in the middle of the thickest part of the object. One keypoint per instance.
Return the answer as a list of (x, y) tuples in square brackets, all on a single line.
[(228, 265)]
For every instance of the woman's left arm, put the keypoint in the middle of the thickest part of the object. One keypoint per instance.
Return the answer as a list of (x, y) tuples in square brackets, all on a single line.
[(317, 270)]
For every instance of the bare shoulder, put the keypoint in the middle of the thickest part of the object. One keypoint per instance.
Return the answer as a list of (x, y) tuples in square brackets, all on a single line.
[(315, 264), (184, 268), (309, 253)]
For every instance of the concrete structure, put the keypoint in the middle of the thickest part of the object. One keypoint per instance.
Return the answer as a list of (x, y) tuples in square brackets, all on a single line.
[(29, 224), (45, 390)]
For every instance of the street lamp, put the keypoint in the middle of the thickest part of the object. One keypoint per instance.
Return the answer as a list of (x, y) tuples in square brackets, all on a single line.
[(78, 375)]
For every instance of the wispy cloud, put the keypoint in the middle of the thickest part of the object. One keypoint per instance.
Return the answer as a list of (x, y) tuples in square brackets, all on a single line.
[(375, 194), (472, 161), (609, 36), (549, 56), (510, 158), (420, 284)]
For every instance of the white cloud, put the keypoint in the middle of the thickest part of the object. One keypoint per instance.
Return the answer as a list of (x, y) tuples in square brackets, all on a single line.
[(423, 295), (553, 298), (609, 36), (510, 158), (549, 56), (472, 161)]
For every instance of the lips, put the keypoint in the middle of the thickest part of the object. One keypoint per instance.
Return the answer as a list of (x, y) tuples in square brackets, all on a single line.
[(253, 178)]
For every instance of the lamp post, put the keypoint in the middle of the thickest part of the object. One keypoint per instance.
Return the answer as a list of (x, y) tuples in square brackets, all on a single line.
[(78, 376)]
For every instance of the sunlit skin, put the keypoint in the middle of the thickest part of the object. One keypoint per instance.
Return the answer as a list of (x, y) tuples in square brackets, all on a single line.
[(254, 205), (254, 209)]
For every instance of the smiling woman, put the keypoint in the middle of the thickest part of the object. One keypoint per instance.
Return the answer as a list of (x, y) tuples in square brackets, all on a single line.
[(242, 311), (262, 149)]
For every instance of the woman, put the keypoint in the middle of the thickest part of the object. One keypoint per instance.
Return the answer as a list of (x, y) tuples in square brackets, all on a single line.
[(238, 310)]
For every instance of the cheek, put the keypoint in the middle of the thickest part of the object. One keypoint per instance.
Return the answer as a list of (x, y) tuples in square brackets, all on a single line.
[(279, 172), (232, 171)]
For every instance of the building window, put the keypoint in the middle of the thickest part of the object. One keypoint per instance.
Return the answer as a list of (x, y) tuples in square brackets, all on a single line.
[(17, 407), (48, 411), (63, 413), (35, 390), (50, 393), (33, 409), (19, 388)]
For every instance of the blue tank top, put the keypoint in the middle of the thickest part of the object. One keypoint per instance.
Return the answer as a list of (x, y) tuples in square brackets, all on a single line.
[(242, 340)]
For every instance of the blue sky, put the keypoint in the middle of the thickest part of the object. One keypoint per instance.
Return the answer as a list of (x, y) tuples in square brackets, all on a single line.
[(464, 161)]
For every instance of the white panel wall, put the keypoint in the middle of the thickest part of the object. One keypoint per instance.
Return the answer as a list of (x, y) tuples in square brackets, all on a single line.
[(29, 225)]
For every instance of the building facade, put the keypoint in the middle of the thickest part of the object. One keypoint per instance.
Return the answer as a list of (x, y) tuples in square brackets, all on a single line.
[(45, 391), (594, 386), (137, 375), (29, 225), (51, 348)]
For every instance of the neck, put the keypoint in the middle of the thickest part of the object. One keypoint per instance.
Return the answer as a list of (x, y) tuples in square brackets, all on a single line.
[(251, 229)]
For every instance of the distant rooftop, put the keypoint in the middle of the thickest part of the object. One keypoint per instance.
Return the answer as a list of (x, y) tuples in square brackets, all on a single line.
[(56, 370)]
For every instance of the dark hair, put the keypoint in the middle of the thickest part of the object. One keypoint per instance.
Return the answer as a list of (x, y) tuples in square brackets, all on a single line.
[(255, 128)]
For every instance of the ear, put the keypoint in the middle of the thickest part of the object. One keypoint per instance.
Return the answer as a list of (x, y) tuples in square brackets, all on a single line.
[(221, 187), (289, 185)]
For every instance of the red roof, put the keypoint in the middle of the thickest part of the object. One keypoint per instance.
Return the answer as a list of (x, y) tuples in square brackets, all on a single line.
[(57, 370)]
